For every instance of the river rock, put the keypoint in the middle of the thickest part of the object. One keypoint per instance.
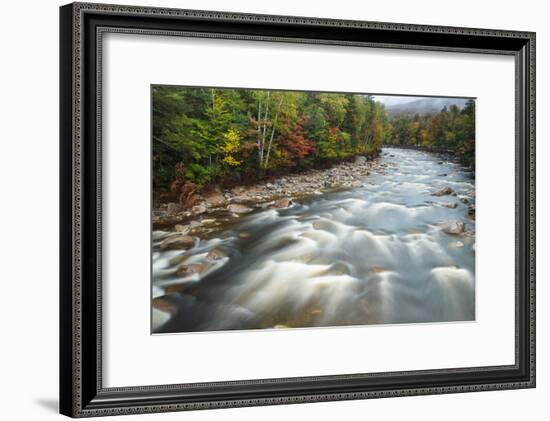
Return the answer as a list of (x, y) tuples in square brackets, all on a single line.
[(449, 205), (360, 159), (216, 254), (215, 199), (443, 192), (195, 224), (240, 199), (179, 259), (472, 211), (282, 203), (184, 229), (199, 209), (237, 208), (172, 208), (186, 270), (464, 200), (165, 304), (456, 244), (453, 227), (376, 269), (178, 242)]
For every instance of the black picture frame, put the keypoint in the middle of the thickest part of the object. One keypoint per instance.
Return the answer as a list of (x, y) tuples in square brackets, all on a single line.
[(81, 390)]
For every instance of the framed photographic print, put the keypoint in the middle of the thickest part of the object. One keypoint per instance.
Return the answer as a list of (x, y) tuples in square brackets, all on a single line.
[(263, 210)]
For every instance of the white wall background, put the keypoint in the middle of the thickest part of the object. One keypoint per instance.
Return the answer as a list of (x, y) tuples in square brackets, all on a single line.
[(29, 222)]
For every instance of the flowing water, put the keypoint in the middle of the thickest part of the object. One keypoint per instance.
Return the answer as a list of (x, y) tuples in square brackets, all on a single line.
[(373, 254)]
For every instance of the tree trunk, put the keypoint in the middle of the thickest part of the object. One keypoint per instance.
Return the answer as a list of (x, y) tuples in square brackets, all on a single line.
[(273, 132)]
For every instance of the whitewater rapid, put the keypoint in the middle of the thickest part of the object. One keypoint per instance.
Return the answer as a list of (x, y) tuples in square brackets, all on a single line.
[(374, 254)]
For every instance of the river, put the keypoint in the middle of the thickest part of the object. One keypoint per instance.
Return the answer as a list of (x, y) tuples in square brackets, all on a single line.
[(375, 254)]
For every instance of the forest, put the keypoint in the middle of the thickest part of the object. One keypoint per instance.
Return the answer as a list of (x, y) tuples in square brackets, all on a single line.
[(452, 131), (230, 136)]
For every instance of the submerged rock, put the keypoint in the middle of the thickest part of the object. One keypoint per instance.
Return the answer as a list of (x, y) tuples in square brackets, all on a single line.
[(282, 203), (165, 304), (443, 192), (376, 269), (179, 259), (216, 254), (178, 242), (456, 244), (186, 270), (453, 227)]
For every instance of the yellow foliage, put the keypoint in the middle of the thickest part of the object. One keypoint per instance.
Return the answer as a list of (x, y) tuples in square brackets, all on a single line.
[(231, 145), (232, 142), (231, 161)]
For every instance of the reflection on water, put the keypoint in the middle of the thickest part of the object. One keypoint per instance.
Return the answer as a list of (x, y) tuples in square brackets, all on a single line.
[(374, 254)]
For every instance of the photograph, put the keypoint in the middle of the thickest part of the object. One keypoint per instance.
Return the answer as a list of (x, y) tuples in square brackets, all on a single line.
[(278, 209), (267, 206)]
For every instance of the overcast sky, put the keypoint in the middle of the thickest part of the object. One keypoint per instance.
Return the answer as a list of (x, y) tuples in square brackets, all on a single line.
[(394, 100)]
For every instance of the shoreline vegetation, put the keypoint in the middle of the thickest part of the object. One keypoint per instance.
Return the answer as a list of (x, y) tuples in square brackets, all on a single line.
[(229, 151)]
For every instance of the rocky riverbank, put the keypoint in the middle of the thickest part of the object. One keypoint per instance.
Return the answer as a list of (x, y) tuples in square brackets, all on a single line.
[(210, 209)]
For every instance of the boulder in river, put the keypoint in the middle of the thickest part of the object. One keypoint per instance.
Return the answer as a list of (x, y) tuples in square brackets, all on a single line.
[(376, 269), (178, 260), (454, 227), (445, 191), (186, 270), (178, 242), (450, 205), (472, 211), (285, 202), (360, 159), (165, 304), (216, 254), (237, 208)]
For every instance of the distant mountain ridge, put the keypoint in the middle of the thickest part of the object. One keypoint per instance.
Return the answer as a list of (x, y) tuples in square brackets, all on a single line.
[(425, 106)]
